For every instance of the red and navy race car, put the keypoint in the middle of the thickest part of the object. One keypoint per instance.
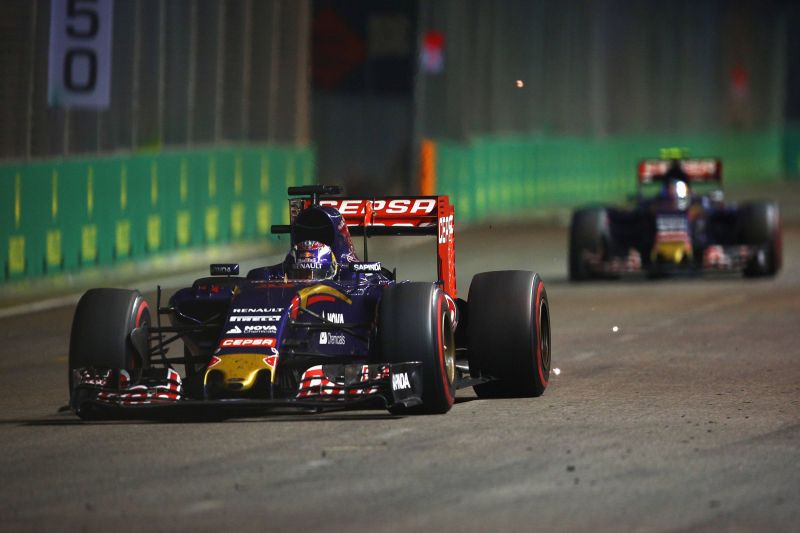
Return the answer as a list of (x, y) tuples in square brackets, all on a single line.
[(679, 223), (322, 329)]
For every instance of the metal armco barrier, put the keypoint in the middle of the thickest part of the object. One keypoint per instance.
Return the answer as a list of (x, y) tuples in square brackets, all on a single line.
[(504, 176), (63, 216)]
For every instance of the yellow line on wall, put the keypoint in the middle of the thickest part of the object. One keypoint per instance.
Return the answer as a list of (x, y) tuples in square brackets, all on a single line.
[(153, 183), (90, 192), (123, 187), (54, 197), (17, 200)]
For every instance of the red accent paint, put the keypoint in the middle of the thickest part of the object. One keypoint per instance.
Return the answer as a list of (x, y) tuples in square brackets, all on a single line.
[(320, 298), (440, 349), (446, 245), (696, 170), (537, 324), (137, 323), (142, 306)]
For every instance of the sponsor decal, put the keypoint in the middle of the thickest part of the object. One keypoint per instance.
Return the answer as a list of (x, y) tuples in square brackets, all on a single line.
[(259, 329), (672, 223), (445, 228), (366, 267), (257, 310), (256, 341), (234, 329), (400, 381), (255, 318), (336, 318), (272, 360), (396, 206), (331, 338), (225, 269)]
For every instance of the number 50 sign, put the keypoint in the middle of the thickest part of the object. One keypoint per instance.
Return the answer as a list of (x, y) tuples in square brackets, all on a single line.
[(79, 74)]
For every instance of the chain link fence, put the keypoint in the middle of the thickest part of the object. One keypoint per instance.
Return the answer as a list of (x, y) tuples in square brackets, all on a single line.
[(603, 67), (185, 73)]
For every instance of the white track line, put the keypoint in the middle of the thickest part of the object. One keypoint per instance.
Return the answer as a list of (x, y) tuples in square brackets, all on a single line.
[(172, 282), (41, 305)]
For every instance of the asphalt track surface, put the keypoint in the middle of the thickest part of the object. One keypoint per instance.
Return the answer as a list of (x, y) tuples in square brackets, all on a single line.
[(684, 418)]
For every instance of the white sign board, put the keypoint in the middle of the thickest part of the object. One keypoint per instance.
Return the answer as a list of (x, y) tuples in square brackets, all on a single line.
[(79, 73)]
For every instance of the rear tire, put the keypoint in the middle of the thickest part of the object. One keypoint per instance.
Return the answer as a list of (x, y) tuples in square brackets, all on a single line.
[(588, 232), (414, 325), (101, 329), (509, 333), (761, 226)]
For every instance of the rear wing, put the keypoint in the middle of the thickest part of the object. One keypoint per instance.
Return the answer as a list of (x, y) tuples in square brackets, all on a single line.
[(389, 215), (697, 170)]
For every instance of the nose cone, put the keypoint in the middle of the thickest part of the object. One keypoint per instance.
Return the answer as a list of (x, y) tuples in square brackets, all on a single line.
[(671, 252), (237, 372)]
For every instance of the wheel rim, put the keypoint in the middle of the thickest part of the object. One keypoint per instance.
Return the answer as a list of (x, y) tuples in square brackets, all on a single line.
[(544, 336), (142, 321), (448, 349)]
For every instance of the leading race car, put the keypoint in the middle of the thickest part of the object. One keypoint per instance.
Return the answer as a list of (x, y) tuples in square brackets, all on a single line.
[(323, 329), (679, 228)]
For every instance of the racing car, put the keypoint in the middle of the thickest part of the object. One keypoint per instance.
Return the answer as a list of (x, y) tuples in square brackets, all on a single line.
[(679, 223), (323, 329)]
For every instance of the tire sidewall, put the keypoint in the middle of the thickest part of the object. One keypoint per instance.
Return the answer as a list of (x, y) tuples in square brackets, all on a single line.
[(410, 319), (761, 225), (507, 312), (101, 327), (588, 231)]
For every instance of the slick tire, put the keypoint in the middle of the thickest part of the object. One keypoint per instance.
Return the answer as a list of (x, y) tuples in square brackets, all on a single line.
[(414, 325), (509, 333), (588, 232), (761, 226), (101, 330)]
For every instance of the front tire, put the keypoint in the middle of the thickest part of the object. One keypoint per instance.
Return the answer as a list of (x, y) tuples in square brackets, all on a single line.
[(414, 325), (101, 330), (588, 232), (761, 227), (509, 333)]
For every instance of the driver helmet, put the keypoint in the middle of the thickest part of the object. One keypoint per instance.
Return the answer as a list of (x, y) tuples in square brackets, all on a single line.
[(312, 260), (675, 193)]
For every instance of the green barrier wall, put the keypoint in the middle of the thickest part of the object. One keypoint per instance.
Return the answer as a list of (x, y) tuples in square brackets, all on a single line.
[(62, 216), (502, 176), (791, 152)]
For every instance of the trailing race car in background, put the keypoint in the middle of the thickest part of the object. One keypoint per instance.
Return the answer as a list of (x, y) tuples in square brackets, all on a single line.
[(679, 228), (322, 329)]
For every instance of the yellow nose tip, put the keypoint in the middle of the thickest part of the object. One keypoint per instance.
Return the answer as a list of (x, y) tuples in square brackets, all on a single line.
[(237, 372), (671, 252)]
